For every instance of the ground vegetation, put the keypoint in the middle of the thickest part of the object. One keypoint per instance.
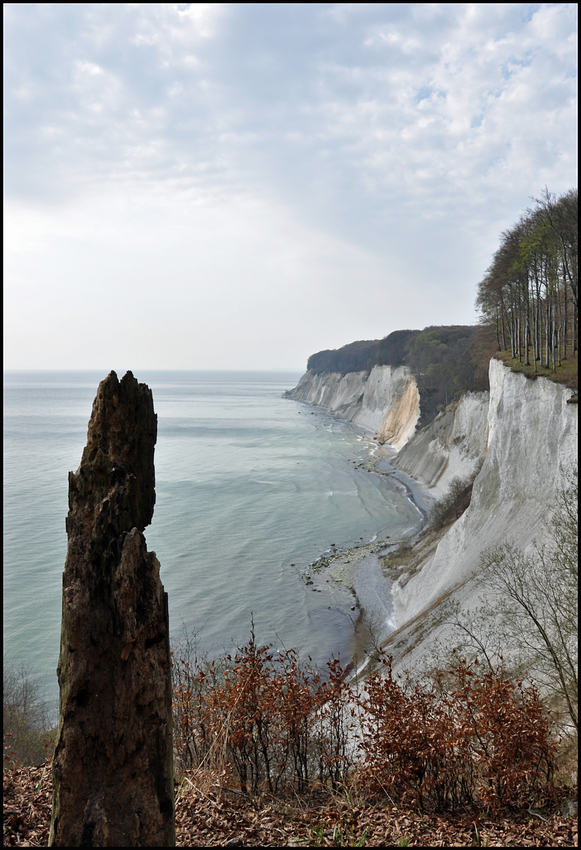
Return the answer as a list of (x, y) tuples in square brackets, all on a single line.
[(27, 732), (208, 815)]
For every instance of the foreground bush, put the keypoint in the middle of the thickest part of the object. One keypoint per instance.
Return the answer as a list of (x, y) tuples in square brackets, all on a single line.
[(482, 739), (268, 721)]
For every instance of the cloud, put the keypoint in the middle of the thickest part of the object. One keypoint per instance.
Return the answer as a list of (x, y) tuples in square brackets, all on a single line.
[(407, 135), (170, 279)]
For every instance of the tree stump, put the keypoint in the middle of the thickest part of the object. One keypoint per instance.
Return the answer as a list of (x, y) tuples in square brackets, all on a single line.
[(113, 763)]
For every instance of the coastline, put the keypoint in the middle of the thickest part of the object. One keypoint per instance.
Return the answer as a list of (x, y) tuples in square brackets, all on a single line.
[(381, 465), (359, 568)]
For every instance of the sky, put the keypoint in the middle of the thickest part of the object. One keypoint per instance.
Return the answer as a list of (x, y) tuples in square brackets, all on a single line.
[(238, 186)]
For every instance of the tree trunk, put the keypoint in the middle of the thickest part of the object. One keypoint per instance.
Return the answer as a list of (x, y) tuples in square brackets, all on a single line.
[(113, 763)]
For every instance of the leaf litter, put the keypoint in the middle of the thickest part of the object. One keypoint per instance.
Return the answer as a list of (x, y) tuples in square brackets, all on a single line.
[(223, 817)]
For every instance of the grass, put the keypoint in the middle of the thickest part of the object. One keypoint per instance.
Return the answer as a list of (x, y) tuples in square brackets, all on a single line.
[(566, 373)]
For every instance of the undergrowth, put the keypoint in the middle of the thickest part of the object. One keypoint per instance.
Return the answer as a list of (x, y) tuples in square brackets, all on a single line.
[(27, 733), (260, 721), (566, 372)]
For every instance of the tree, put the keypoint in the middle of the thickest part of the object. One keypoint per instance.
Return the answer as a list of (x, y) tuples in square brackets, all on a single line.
[(531, 613), (26, 726), (529, 292)]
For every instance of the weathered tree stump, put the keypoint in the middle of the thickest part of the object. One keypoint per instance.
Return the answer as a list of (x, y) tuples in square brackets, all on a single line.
[(113, 763)]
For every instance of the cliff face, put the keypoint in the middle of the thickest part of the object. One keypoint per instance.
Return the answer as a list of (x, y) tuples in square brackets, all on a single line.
[(515, 442), (385, 401), (452, 446), (532, 438)]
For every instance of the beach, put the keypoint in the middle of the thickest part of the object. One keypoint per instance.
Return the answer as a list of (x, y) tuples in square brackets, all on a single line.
[(360, 569)]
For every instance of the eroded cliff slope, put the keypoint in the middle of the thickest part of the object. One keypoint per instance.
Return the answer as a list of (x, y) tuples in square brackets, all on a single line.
[(531, 443), (452, 446), (384, 401)]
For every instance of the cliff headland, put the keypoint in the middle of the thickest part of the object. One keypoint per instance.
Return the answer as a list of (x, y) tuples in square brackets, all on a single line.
[(509, 447)]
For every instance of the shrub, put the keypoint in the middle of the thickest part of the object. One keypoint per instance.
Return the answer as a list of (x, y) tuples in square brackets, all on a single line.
[(486, 740), (453, 504), (268, 720), (25, 722)]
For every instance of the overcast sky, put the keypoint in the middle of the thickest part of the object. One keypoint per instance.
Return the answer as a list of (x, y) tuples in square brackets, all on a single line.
[(238, 186)]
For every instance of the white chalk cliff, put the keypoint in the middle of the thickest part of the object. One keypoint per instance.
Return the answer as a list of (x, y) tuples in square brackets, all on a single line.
[(532, 437), (518, 441), (531, 444), (453, 445), (385, 401)]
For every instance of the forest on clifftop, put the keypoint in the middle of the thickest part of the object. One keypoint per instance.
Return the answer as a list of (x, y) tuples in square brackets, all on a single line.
[(528, 303), (445, 360)]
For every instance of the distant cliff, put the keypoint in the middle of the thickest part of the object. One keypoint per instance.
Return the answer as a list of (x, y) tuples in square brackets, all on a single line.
[(384, 401), (445, 360)]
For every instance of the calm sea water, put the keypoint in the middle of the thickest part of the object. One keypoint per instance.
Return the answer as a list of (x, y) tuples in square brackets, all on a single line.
[(251, 487)]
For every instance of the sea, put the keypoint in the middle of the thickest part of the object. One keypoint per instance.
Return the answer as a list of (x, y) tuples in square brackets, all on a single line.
[(251, 488)]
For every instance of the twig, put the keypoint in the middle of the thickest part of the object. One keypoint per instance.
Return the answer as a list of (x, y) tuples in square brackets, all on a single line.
[(537, 815), (232, 790), (199, 790)]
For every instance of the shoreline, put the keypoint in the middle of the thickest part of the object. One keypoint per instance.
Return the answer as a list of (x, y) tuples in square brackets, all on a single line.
[(415, 491), (359, 569)]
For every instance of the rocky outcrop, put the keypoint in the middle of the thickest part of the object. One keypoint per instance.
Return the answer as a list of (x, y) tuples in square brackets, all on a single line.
[(531, 444), (384, 401), (453, 445), (112, 769)]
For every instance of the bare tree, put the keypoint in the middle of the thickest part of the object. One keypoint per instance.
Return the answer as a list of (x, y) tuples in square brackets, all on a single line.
[(25, 717), (527, 623)]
